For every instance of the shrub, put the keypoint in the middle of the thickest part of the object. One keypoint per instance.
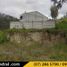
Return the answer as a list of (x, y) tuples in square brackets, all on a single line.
[(3, 37), (62, 24)]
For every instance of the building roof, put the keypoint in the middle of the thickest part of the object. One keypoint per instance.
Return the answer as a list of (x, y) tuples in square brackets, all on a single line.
[(34, 14)]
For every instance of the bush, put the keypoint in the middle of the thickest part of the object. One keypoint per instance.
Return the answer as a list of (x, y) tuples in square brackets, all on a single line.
[(3, 37), (62, 24)]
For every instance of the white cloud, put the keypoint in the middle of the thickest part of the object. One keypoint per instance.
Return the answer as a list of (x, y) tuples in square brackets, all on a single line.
[(17, 7)]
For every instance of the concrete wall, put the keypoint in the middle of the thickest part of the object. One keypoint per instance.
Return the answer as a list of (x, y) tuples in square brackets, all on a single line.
[(16, 25), (38, 25), (32, 24)]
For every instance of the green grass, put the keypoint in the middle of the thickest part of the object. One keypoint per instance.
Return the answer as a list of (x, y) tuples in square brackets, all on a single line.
[(60, 52), (32, 50)]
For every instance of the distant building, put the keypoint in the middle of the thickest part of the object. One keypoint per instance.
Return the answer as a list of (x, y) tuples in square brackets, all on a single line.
[(33, 20)]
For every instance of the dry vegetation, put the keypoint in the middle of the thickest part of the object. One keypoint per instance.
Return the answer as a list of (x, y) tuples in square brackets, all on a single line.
[(25, 46)]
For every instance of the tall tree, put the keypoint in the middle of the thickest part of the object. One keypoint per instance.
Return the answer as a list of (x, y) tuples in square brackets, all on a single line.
[(57, 4), (54, 12)]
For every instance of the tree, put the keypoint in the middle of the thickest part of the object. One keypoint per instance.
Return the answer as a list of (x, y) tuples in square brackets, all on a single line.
[(57, 4), (54, 12)]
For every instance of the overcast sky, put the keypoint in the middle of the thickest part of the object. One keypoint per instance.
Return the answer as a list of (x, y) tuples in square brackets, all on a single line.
[(17, 7)]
